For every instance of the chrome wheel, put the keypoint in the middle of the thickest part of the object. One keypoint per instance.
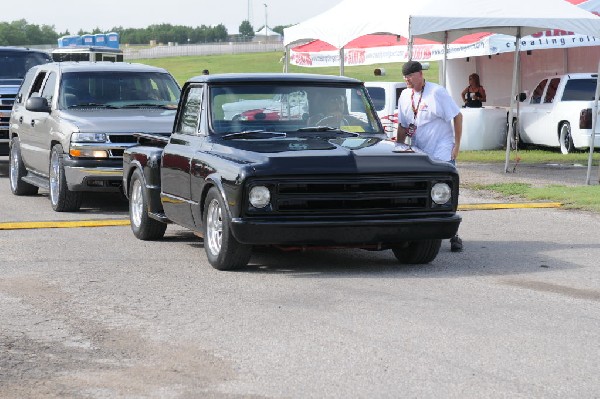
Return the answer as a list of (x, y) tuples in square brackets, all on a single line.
[(214, 227), (137, 203), (566, 140), (54, 177), (14, 170)]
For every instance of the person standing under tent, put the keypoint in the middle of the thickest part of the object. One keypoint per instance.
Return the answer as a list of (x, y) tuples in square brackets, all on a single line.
[(426, 115), (474, 94)]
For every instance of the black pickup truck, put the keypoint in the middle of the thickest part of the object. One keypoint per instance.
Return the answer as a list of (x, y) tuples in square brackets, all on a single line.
[(287, 160)]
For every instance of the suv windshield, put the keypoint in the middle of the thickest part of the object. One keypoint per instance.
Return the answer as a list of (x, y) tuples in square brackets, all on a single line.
[(277, 107), (118, 90), (15, 64)]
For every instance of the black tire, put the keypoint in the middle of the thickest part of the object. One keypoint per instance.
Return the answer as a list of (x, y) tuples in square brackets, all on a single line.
[(61, 198), (418, 252), (143, 226), (565, 139), (18, 171), (223, 251)]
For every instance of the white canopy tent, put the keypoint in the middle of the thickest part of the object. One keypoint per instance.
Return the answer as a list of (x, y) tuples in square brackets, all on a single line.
[(445, 21)]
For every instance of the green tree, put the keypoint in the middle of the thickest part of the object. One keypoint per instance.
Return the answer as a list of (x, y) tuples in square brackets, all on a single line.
[(246, 30)]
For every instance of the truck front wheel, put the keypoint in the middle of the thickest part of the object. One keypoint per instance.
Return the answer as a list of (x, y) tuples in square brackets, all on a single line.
[(143, 226), (566, 140), (61, 198), (418, 252), (223, 251)]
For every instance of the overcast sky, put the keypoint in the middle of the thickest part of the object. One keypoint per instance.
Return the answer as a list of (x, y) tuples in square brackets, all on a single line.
[(106, 14)]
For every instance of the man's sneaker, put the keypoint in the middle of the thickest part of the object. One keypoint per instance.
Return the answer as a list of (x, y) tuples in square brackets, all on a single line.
[(456, 244)]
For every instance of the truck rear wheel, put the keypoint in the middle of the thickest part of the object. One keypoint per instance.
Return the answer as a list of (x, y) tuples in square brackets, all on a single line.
[(18, 171), (143, 226), (223, 251), (566, 140), (418, 252), (61, 198)]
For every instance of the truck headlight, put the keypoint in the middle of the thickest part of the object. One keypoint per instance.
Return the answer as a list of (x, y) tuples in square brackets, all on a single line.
[(260, 196), (88, 138), (441, 193), (88, 153)]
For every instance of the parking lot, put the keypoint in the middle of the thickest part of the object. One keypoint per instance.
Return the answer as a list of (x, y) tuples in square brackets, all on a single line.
[(93, 312)]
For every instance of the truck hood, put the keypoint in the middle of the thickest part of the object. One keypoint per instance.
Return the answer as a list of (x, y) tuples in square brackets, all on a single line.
[(121, 120), (301, 155)]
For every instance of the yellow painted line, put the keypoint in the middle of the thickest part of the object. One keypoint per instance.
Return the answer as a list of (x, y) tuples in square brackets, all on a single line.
[(125, 222), (63, 224), (522, 205)]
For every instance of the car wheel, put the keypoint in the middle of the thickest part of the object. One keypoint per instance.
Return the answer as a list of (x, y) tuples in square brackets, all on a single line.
[(61, 198), (223, 251), (142, 225), (18, 171), (566, 140), (417, 252)]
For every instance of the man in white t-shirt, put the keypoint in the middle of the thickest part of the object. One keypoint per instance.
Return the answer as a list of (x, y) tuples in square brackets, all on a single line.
[(431, 119)]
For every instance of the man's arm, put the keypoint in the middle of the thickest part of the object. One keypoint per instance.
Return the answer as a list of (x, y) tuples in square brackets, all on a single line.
[(458, 119)]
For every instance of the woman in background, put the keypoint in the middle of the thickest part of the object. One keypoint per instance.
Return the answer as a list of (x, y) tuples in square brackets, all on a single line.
[(474, 94)]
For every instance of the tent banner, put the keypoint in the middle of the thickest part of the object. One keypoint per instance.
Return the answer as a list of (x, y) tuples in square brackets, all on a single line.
[(489, 45), (378, 55)]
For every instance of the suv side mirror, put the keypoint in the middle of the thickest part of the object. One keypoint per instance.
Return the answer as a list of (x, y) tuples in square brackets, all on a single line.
[(37, 104), (521, 97)]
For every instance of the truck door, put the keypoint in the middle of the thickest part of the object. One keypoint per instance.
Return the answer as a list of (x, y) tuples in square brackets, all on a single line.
[(27, 121), (177, 157), (529, 115)]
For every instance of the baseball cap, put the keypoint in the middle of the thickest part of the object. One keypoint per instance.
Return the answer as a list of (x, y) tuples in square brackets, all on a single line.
[(410, 67)]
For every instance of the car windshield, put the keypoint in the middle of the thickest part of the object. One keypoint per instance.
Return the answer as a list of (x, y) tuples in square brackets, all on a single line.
[(118, 90), (15, 64), (278, 107)]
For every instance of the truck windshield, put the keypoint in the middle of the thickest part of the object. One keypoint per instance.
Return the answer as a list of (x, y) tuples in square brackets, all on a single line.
[(276, 107), (118, 90), (15, 64)]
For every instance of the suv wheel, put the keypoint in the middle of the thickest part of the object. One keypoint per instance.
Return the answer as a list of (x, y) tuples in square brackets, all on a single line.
[(18, 171), (61, 198)]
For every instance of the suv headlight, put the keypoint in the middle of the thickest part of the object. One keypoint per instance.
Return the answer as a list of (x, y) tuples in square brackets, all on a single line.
[(88, 138), (260, 196), (441, 193)]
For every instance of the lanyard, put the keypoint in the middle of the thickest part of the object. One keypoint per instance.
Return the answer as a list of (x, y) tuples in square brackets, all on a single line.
[(412, 102)]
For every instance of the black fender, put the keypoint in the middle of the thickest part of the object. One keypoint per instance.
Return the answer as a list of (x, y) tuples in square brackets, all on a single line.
[(147, 159)]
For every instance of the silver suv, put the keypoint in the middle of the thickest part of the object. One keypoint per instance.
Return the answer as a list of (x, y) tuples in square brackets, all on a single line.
[(71, 122)]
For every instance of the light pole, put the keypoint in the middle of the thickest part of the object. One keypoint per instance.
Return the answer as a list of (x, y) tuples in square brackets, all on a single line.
[(266, 26)]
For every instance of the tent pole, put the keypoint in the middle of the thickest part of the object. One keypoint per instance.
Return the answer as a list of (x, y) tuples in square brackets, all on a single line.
[(286, 61), (592, 140), (342, 61), (444, 66), (513, 98)]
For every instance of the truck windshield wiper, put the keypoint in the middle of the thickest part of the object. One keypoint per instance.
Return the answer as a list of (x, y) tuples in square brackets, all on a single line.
[(325, 129), (95, 105), (148, 105), (251, 132)]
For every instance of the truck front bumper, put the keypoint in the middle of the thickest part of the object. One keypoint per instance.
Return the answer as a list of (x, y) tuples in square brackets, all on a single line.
[(346, 232), (93, 175)]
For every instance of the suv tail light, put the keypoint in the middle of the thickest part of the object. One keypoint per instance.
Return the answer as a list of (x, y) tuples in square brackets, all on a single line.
[(585, 119)]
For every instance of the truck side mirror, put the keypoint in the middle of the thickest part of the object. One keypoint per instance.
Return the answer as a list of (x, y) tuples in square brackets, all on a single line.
[(521, 97), (37, 104)]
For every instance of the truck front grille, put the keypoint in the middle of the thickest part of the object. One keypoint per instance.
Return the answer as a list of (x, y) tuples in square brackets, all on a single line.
[(360, 195), (6, 103)]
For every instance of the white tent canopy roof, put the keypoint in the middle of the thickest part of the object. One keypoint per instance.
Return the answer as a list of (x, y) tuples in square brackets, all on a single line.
[(270, 32), (430, 19)]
